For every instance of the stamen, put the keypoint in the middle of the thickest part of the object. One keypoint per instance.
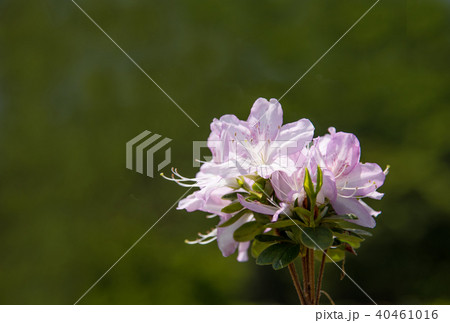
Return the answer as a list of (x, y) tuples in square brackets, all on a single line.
[(181, 179), (200, 161), (354, 189), (204, 238)]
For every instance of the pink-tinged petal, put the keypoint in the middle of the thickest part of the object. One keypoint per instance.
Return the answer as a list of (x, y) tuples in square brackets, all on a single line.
[(208, 199), (265, 119), (301, 158), (242, 249), (375, 195), (191, 203), (284, 209), (214, 202), (214, 172), (284, 185), (342, 154), (293, 137), (225, 239), (357, 207), (224, 134), (362, 181), (257, 206), (282, 163)]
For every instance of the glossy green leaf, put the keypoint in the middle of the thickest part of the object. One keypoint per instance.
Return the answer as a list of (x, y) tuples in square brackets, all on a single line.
[(303, 213), (259, 185), (336, 254), (268, 189), (269, 238), (247, 231), (284, 224), (353, 227), (308, 184), (254, 196), (319, 180), (294, 234), (253, 177), (233, 207), (258, 246), (321, 215), (317, 238), (359, 232), (279, 255), (242, 183), (352, 240), (233, 196), (261, 218)]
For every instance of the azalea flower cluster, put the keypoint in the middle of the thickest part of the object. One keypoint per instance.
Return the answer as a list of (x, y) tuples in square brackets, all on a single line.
[(280, 191)]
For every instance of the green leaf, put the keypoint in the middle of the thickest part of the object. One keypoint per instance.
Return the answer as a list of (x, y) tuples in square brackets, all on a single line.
[(317, 238), (258, 246), (270, 254), (268, 189), (284, 224), (254, 196), (233, 196), (247, 231), (338, 221), (359, 232), (269, 238), (233, 207), (241, 182), (319, 180), (261, 218), (234, 218), (303, 213), (288, 256), (353, 227), (259, 185), (344, 217), (253, 177), (336, 254), (321, 215), (294, 234), (308, 185), (352, 240), (279, 255)]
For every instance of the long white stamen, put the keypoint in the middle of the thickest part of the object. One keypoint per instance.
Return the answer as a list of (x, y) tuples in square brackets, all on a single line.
[(180, 180), (354, 189), (204, 238)]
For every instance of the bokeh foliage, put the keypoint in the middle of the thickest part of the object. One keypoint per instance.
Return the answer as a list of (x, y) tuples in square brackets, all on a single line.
[(69, 100)]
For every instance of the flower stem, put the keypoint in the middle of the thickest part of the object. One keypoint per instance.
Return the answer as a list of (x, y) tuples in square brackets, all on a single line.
[(305, 276), (319, 280), (311, 276), (296, 282), (328, 296)]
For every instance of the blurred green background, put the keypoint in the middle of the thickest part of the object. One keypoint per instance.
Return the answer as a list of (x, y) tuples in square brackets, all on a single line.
[(70, 100)]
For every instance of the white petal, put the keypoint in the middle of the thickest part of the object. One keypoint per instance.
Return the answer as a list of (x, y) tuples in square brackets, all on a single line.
[(265, 119), (225, 239), (357, 207)]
